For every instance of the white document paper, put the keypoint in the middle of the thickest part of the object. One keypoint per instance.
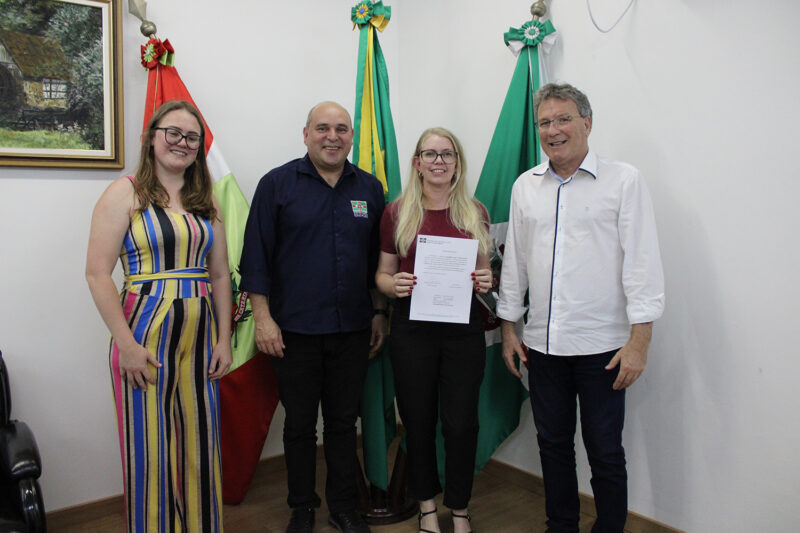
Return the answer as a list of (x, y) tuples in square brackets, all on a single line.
[(444, 285)]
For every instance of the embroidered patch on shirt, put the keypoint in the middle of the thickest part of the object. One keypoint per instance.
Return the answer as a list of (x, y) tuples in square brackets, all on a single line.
[(359, 208)]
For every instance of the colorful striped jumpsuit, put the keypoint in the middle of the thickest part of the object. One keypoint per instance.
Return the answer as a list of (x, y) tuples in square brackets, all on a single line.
[(169, 434)]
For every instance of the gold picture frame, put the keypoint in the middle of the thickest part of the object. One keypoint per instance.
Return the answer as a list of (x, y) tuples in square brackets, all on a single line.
[(61, 84)]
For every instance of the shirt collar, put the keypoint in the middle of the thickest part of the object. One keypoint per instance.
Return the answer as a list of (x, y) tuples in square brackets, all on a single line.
[(588, 165), (307, 167)]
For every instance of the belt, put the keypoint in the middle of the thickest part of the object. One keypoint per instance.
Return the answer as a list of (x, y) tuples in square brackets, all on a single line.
[(190, 274)]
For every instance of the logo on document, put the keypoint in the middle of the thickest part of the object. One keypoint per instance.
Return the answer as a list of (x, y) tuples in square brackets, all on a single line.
[(359, 208)]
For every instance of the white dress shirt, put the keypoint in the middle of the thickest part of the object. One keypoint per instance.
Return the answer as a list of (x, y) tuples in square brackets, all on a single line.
[(586, 248)]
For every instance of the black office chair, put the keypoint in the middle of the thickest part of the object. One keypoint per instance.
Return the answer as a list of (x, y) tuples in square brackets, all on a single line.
[(21, 504)]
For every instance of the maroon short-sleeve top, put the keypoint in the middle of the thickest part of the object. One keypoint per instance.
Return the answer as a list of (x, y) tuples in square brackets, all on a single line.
[(434, 222)]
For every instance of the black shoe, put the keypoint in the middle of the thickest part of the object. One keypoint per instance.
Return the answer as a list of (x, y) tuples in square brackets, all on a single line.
[(348, 522), (302, 520), (423, 515), (466, 517)]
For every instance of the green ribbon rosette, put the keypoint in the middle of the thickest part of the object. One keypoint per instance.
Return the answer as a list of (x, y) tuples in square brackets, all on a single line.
[(374, 13), (531, 33)]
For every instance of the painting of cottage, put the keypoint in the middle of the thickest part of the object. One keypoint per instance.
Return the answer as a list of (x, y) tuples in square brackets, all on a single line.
[(34, 76), (59, 82)]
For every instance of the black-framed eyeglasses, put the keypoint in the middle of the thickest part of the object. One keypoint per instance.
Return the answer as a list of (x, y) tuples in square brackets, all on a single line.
[(430, 156), (558, 122), (174, 136)]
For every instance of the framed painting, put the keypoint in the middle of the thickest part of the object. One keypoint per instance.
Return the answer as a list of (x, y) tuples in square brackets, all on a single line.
[(61, 83)]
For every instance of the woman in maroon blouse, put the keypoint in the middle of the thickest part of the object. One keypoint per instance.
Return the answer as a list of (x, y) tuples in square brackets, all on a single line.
[(437, 365)]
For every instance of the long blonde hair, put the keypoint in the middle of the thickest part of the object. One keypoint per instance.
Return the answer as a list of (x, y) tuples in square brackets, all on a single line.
[(196, 193), (465, 213)]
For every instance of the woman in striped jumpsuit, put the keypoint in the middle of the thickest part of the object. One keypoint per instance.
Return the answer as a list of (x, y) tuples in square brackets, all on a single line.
[(170, 327)]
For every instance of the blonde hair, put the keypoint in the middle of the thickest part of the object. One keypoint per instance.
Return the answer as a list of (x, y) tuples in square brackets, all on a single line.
[(196, 193), (465, 213)]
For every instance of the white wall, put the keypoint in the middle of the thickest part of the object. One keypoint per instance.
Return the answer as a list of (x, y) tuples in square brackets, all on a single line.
[(254, 70), (696, 93), (700, 96)]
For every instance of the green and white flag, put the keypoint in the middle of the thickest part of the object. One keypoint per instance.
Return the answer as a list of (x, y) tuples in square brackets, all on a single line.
[(513, 150)]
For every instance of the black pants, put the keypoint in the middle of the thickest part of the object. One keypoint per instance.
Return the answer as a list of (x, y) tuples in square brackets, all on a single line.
[(557, 383), (328, 369), (438, 366)]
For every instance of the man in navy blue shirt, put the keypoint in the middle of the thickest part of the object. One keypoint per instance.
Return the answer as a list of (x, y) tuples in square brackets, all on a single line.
[(309, 260)]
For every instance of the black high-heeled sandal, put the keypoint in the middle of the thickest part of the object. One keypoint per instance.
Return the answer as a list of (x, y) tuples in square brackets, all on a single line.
[(467, 517), (419, 519)]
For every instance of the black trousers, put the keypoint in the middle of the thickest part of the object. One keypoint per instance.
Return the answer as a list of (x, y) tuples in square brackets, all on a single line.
[(328, 369), (438, 368), (557, 384)]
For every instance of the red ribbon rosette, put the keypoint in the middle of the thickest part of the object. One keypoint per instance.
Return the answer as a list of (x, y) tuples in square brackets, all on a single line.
[(155, 52)]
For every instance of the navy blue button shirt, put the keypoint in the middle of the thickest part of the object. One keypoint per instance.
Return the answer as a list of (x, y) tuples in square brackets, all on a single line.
[(312, 249)]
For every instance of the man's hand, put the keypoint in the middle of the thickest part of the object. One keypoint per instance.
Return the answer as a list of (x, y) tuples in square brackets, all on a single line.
[(511, 346), (268, 337), (379, 328), (632, 357)]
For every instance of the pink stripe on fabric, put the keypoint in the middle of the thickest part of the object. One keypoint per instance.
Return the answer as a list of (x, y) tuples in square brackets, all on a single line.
[(127, 305), (117, 379)]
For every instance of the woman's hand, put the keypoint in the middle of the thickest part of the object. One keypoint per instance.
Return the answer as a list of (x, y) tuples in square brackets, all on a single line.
[(482, 278), (402, 284), (221, 359), (133, 367)]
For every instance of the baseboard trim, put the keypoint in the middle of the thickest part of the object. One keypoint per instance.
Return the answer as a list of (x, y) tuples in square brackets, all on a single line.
[(89, 511), (636, 523), (85, 512)]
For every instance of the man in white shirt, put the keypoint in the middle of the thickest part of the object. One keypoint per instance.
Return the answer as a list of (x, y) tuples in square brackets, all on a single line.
[(582, 244)]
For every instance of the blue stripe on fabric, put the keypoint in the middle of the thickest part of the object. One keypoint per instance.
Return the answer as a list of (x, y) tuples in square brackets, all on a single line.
[(150, 305), (215, 448), (198, 278), (153, 238), (138, 450), (131, 252), (194, 270), (210, 230), (212, 390), (148, 308)]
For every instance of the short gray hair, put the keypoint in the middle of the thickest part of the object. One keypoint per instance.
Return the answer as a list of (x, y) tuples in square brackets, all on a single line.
[(563, 91)]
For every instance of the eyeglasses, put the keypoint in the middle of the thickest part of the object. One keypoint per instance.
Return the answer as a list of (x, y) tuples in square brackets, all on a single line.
[(430, 156), (173, 137), (558, 122)]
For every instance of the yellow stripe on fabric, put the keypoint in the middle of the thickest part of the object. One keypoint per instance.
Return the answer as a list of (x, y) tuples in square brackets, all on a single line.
[(186, 353), (370, 155), (168, 275), (151, 399), (182, 237)]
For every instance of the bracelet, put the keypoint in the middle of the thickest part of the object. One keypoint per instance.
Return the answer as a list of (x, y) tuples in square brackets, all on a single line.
[(384, 312)]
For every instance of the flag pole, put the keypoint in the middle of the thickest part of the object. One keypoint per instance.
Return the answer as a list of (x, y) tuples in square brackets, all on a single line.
[(138, 8), (538, 10)]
